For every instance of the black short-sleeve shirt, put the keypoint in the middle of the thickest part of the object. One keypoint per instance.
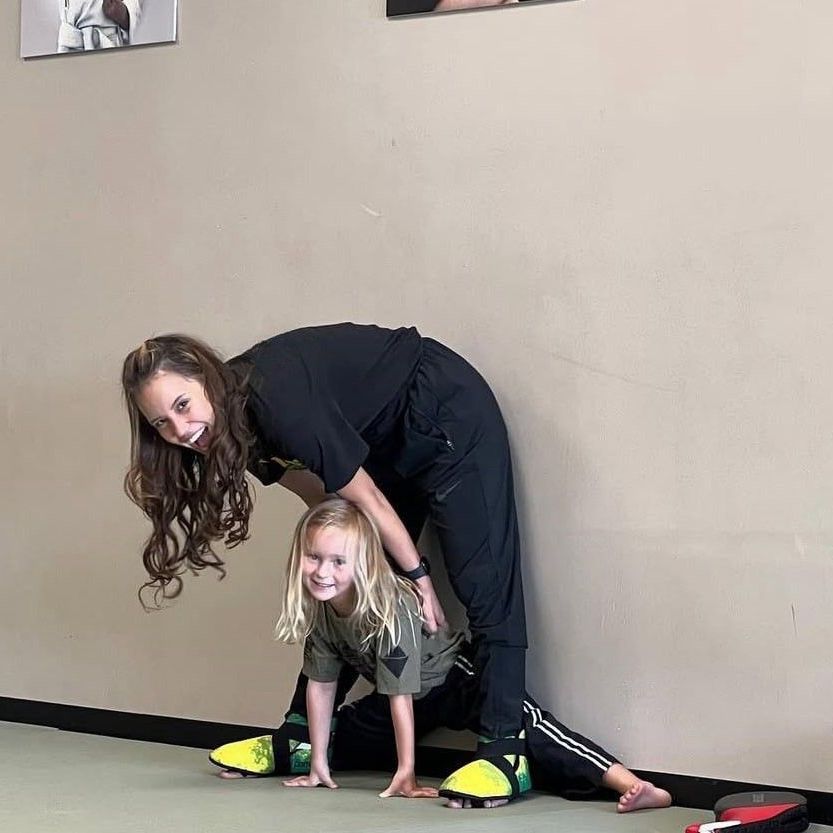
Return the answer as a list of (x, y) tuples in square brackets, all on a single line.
[(323, 397)]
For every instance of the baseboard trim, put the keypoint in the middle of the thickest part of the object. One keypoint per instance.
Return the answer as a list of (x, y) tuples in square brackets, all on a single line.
[(688, 790)]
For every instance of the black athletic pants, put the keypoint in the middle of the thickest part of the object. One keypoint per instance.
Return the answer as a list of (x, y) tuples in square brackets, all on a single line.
[(561, 761), (454, 466)]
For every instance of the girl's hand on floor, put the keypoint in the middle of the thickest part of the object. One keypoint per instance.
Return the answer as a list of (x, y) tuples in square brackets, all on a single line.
[(314, 779), (406, 786)]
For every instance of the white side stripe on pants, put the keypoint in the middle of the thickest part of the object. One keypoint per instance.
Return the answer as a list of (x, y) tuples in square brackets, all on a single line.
[(565, 741), (464, 665)]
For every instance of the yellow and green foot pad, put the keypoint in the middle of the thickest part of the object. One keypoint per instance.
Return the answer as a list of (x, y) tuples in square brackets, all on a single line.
[(500, 771), (286, 752), (253, 756)]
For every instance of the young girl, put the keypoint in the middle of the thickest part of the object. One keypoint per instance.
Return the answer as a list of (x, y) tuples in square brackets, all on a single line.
[(395, 422), (346, 604)]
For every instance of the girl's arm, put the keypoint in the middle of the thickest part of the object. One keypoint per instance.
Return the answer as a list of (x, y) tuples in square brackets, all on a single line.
[(404, 781), (320, 699), (364, 492)]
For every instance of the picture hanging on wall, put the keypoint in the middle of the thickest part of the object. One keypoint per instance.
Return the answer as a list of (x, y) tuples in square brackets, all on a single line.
[(400, 7), (48, 27)]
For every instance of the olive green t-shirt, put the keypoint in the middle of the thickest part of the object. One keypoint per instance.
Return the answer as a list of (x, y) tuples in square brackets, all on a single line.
[(414, 663)]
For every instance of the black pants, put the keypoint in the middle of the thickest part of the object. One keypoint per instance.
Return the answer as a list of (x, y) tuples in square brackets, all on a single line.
[(561, 761), (452, 464)]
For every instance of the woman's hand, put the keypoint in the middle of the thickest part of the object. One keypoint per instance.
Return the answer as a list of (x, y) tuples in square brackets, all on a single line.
[(432, 611), (316, 778), (404, 784)]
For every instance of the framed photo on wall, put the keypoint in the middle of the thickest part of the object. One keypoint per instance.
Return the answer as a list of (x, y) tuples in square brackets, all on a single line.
[(403, 7), (48, 27)]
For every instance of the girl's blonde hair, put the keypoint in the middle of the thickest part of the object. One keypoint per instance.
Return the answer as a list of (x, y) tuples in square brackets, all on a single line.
[(379, 591)]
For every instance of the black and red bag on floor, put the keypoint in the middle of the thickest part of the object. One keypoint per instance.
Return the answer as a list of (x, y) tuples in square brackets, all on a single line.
[(761, 812)]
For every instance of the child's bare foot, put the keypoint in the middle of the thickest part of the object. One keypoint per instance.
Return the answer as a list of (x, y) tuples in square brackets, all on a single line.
[(466, 804), (641, 796), (231, 774)]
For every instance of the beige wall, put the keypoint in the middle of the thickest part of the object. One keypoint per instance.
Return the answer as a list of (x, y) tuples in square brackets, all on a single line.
[(620, 212)]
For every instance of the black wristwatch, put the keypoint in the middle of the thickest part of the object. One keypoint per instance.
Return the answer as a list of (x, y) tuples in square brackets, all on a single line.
[(424, 569)]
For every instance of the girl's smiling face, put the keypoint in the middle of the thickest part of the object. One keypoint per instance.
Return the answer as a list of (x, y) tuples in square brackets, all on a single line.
[(328, 568), (178, 409)]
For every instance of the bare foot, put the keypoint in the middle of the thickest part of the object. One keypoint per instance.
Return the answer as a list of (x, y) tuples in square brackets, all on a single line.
[(641, 796), (231, 774), (466, 803)]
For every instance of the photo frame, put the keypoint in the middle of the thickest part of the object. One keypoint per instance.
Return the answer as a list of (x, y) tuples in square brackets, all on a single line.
[(49, 27), (399, 8)]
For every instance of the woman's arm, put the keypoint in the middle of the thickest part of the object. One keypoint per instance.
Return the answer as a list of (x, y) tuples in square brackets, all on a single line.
[(363, 491), (404, 781), (320, 699)]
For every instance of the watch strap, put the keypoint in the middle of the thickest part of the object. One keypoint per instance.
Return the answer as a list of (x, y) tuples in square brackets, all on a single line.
[(422, 569)]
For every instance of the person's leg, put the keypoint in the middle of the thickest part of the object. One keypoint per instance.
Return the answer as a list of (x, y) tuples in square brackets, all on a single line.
[(634, 793), (471, 501), (286, 750), (478, 534), (570, 765), (456, 449), (477, 530), (499, 771)]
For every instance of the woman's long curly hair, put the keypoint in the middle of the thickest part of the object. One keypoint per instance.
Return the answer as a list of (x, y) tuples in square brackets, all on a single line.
[(379, 591), (191, 499)]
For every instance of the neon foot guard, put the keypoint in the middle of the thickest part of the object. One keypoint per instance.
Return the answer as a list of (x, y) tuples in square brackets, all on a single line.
[(501, 772)]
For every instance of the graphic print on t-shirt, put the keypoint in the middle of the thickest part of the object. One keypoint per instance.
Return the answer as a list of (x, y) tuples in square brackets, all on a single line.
[(395, 661)]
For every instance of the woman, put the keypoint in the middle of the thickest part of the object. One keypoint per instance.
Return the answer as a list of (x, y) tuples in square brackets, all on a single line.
[(396, 423)]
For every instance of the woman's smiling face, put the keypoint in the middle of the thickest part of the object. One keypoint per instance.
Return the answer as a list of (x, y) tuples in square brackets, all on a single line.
[(178, 409)]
